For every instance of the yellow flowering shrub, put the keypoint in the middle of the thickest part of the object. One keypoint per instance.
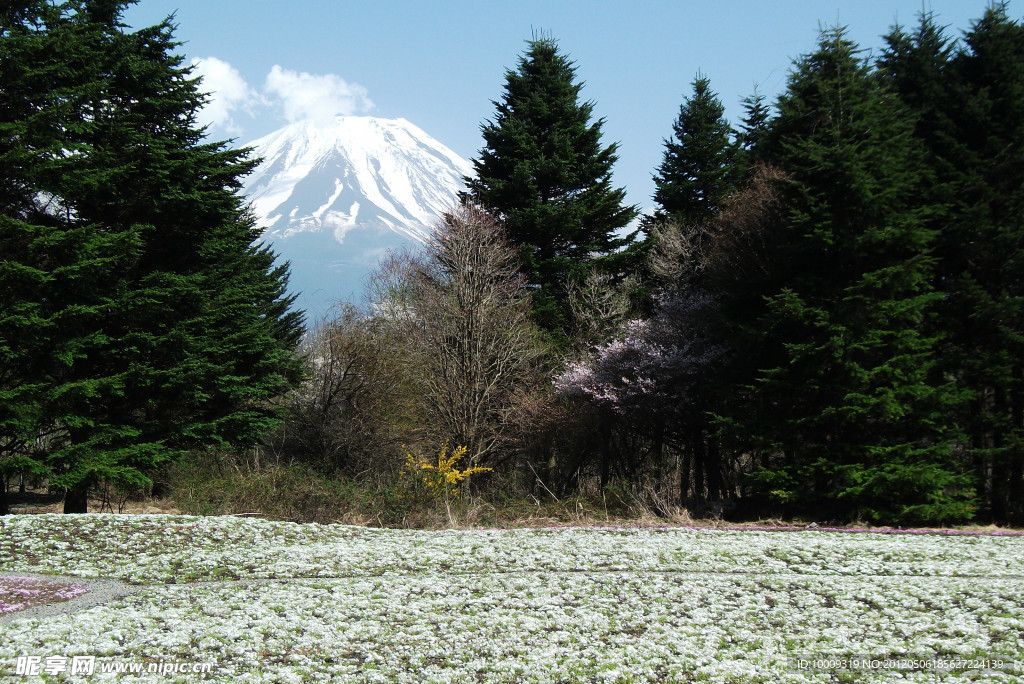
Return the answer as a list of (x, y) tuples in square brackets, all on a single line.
[(442, 478)]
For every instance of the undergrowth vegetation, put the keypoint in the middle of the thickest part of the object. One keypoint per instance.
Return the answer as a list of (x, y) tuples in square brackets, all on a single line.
[(228, 485)]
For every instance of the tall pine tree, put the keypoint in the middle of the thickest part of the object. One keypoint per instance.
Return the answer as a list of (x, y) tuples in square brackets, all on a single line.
[(967, 99), (698, 174), (60, 275), (545, 173), (699, 169), (849, 395), (184, 334), (983, 252), (754, 126)]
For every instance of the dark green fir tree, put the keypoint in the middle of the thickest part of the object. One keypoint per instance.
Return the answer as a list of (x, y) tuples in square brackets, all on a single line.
[(968, 99), (699, 169), (170, 329), (60, 276), (849, 395), (754, 126), (546, 174), (983, 252)]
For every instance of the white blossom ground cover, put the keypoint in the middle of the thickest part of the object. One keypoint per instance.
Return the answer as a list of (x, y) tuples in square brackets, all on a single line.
[(285, 602)]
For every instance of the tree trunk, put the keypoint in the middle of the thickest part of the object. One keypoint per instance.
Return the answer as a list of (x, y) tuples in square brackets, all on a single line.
[(77, 500), (658, 454), (605, 465), (700, 456), (977, 460), (1015, 486), (3, 496), (713, 467), (1000, 465), (685, 458)]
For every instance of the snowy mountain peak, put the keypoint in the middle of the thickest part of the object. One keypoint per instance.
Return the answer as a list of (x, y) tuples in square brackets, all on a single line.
[(334, 195), (351, 172)]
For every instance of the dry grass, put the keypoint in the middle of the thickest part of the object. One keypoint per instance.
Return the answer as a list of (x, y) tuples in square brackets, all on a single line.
[(299, 494), (37, 500)]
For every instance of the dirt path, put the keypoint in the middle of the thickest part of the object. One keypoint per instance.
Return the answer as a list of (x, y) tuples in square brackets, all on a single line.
[(100, 591)]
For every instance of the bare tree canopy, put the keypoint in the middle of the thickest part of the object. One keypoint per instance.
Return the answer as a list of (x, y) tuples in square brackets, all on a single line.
[(473, 328)]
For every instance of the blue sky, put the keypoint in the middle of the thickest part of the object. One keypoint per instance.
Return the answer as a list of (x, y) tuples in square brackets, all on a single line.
[(440, 63)]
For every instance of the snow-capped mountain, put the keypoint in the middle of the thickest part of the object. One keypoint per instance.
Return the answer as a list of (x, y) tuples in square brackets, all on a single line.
[(334, 196)]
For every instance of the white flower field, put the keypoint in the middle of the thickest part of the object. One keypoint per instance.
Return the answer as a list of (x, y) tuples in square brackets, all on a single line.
[(285, 602)]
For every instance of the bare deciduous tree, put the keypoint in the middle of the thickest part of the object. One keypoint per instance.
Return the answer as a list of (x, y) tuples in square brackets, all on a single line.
[(471, 324), (661, 375), (340, 417), (600, 307), (680, 252), (443, 350)]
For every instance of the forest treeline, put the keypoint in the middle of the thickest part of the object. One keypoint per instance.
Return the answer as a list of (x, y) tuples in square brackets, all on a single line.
[(822, 318)]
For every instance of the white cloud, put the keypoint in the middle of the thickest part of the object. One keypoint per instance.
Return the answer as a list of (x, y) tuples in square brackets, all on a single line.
[(228, 93), (314, 96), (298, 95)]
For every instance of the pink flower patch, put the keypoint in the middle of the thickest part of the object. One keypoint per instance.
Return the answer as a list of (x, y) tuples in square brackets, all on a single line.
[(19, 593)]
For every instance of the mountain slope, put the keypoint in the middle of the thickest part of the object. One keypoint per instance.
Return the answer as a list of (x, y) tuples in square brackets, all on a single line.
[(334, 196)]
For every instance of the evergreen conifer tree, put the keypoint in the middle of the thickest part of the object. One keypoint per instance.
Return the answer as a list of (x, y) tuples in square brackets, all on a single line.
[(546, 175), (755, 124), (23, 327), (60, 275), (848, 390), (699, 169), (698, 173), (172, 328), (983, 252), (967, 99)]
